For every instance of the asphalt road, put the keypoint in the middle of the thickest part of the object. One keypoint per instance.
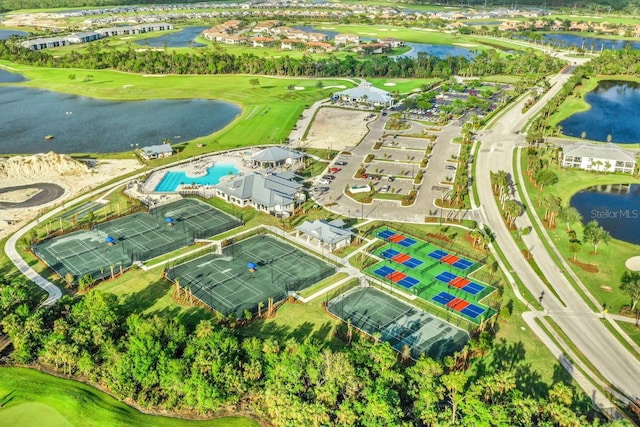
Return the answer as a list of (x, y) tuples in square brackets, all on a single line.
[(48, 193), (583, 327)]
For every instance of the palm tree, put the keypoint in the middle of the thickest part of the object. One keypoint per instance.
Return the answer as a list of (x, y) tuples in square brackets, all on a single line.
[(512, 210), (630, 284)]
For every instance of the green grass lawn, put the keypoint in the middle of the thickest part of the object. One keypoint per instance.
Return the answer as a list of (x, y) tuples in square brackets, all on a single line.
[(269, 111), (401, 85), (30, 398), (610, 258), (632, 330), (298, 321)]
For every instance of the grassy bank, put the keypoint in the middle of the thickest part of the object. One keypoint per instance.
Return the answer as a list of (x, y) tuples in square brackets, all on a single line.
[(29, 397), (610, 258)]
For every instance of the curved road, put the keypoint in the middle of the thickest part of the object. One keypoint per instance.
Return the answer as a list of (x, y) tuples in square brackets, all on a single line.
[(48, 193), (583, 327)]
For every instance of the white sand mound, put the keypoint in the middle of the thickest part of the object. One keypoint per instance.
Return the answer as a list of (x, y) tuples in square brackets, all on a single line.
[(336, 87), (298, 88), (41, 165), (633, 263), (389, 84)]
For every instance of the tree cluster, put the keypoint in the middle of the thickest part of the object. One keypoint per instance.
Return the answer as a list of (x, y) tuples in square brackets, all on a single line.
[(217, 61), (161, 364)]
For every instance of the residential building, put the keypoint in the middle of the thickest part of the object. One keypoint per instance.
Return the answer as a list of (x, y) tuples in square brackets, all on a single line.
[(84, 37), (265, 26), (45, 43), (599, 157), (347, 40), (391, 42), (262, 41), (331, 235)]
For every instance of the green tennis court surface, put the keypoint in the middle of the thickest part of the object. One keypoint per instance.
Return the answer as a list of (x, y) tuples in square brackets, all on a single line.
[(249, 272), (400, 324), (136, 237), (432, 273)]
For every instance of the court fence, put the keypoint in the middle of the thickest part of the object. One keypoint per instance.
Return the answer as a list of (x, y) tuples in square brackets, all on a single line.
[(84, 225)]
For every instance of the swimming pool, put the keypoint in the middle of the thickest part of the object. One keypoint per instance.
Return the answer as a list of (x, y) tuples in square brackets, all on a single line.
[(172, 180)]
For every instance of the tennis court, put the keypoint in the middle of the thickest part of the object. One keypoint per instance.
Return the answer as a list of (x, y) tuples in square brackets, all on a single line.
[(118, 243), (428, 271), (249, 272), (399, 323)]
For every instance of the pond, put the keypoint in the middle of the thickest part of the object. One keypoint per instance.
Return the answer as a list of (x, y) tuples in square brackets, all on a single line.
[(86, 125), (615, 111), (8, 77), (588, 43), (5, 34), (182, 38), (616, 208), (439, 50)]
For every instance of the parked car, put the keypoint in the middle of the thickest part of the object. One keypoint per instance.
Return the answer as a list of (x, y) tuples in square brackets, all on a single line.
[(341, 163), (334, 170), (324, 181), (391, 178), (328, 177), (364, 176), (385, 189), (320, 189), (450, 167)]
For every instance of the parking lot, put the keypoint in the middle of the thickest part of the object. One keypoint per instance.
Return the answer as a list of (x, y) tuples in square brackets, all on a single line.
[(399, 157)]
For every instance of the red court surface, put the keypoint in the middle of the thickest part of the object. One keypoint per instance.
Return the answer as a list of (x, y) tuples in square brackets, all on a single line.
[(400, 258), (396, 276), (459, 282), (458, 304), (450, 259), (396, 238)]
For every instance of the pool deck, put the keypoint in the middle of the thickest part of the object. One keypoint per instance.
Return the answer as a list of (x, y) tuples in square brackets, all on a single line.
[(196, 168)]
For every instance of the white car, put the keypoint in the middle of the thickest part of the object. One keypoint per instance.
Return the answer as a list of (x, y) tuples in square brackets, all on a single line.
[(385, 189), (324, 181)]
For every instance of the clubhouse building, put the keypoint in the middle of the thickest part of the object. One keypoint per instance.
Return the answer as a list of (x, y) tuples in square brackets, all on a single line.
[(365, 93)]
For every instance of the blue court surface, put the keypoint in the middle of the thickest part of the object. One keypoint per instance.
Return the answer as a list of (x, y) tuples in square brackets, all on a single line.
[(443, 298), (385, 234), (437, 254), (412, 262), (390, 253), (472, 311), (384, 271), (446, 277), (406, 242), (462, 264), (408, 282), (473, 288)]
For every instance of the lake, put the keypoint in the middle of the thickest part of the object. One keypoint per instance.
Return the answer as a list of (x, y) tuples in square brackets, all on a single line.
[(615, 111), (87, 125), (182, 38), (588, 43), (8, 77), (439, 50), (5, 34), (615, 207)]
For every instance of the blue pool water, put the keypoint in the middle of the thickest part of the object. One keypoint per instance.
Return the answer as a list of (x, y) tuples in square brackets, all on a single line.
[(172, 180)]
